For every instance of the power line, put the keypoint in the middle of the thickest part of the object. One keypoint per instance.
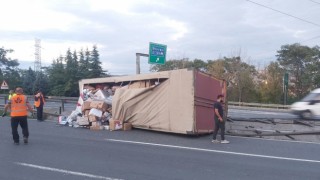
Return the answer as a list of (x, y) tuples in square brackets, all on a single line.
[(285, 13), (267, 52), (316, 37), (315, 2)]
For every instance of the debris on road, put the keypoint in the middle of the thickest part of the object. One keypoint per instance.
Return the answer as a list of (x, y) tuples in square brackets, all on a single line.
[(302, 130)]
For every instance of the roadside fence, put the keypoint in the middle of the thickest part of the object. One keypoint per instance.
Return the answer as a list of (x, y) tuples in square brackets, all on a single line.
[(258, 105), (63, 100)]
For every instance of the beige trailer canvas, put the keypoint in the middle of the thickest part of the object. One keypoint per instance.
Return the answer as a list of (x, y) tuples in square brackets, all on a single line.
[(178, 101)]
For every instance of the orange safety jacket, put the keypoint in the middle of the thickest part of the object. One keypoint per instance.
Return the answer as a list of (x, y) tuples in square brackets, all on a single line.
[(37, 103), (19, 105)]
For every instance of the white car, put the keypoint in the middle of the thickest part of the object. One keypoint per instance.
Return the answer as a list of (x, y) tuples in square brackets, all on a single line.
[(309, 106)]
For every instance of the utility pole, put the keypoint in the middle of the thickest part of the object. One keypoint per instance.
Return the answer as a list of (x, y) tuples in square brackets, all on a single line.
[(37, 64), (37, 54)]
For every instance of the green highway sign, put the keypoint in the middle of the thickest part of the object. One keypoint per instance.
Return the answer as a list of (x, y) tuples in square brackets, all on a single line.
[(157, 53)]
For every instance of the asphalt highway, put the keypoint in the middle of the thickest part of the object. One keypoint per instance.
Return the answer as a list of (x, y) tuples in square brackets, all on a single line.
[(60, 152)]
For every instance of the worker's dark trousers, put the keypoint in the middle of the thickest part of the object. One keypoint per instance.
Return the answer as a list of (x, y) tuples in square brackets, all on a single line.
[(218, 125), (39, 113), (15, 121)]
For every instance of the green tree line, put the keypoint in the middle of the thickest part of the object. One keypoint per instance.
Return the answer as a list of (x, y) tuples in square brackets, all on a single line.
[(245, 82), (59, 79)]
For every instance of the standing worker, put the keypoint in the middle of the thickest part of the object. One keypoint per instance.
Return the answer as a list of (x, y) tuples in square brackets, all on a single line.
[(19, 106), (39, 103), (219, 122)]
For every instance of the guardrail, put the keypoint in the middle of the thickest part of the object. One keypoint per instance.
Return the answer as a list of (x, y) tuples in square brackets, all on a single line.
[(232, 103), (58, 99), (64, 100), (259, 105)]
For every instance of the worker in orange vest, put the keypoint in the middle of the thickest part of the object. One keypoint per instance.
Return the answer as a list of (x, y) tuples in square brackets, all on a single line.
[(39, 103), (19, 106)]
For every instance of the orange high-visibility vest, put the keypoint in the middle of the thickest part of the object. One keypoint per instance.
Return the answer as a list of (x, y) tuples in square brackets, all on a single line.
[(19, 105), (37, 103)]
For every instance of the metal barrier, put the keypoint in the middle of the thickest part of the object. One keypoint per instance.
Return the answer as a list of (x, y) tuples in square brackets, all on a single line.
[(259, 105), (58, 99), (64, 100)]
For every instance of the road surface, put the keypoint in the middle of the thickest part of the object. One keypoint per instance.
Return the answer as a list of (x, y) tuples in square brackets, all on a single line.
[(57, 152)]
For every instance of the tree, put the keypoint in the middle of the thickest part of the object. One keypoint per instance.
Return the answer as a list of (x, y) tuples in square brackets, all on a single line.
[(1, 75), (200, 65), (173, 65), (9, 68), (41, 83), (71, 71), (13, 77), (271, 84), (300, 62), (65, 73), (57, 78), (3, 56), (83, 65), (29, 77), (62, 76), (314, 68), (95, 68), (239, 76), (217, 68)]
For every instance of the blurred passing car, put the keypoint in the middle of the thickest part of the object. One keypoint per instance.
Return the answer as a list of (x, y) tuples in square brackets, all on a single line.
[(309, 106)]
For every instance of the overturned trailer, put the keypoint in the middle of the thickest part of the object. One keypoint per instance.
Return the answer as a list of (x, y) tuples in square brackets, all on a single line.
[(178, 101)]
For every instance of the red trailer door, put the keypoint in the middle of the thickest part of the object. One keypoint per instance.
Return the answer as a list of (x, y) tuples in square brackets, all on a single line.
[(207, 88)]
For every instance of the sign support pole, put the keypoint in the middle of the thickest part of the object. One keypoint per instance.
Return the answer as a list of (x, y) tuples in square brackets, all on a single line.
[(138, 61), (137, 64)]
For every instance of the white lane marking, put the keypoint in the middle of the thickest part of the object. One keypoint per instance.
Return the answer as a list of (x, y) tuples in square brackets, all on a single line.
[(281, 140), (216, 151), (65, 171)]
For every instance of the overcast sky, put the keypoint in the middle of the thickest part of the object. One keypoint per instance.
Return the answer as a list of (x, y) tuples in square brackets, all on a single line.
[(203, 29)]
